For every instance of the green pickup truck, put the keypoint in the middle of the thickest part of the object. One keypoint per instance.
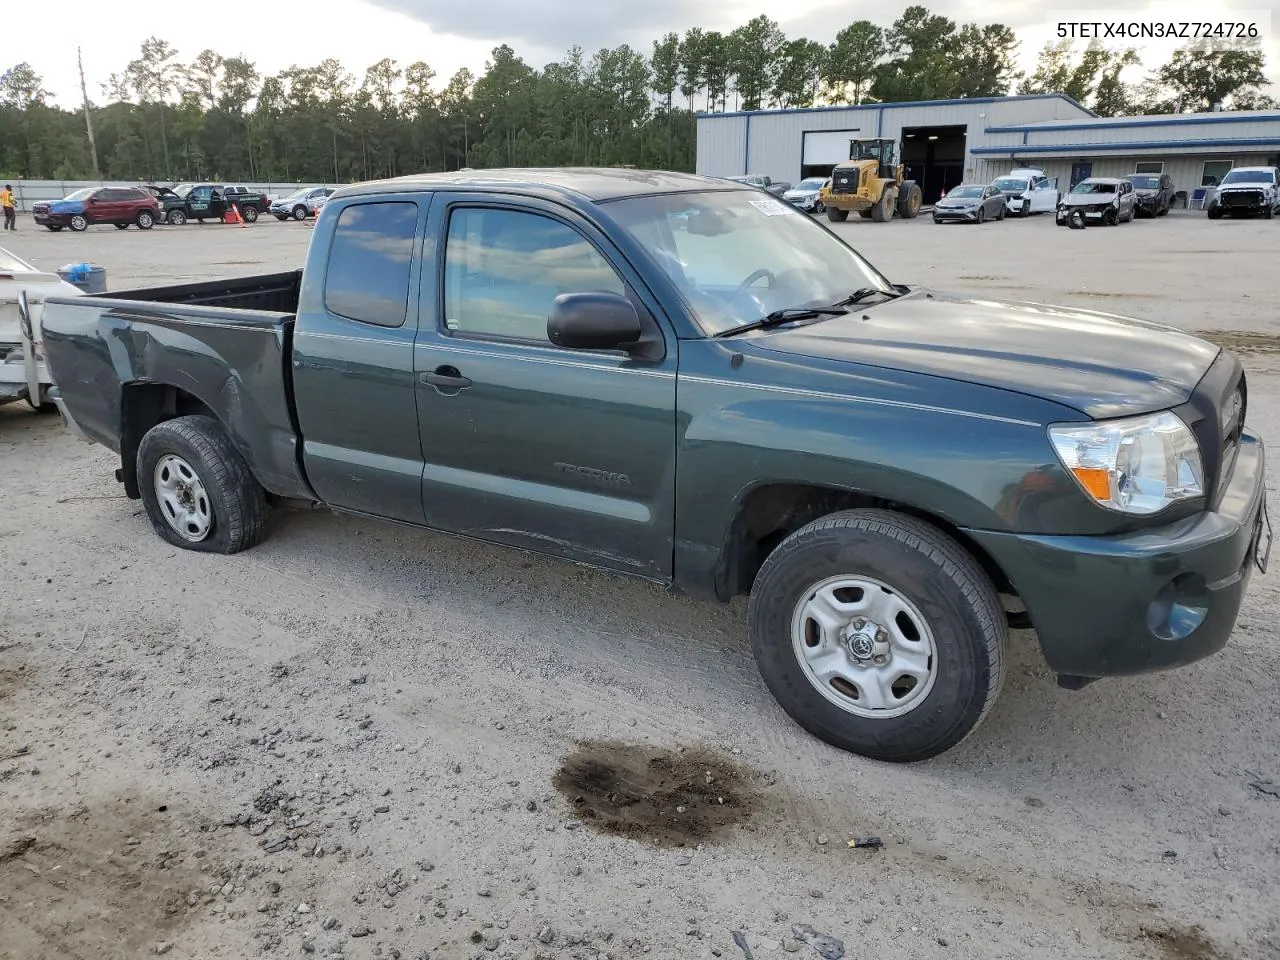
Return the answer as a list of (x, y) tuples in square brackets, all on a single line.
[(687, 380)]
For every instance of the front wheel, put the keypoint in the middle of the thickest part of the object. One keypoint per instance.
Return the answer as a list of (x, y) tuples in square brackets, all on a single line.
[(79, 223), (299, 212), (982, 215), (878, 634), (198, 491), (176, 217)]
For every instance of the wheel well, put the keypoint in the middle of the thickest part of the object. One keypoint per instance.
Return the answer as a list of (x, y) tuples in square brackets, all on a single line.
[(142, 406), (772, 513)]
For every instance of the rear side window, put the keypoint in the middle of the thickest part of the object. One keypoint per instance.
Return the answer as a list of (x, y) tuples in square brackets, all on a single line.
[(368, 275)]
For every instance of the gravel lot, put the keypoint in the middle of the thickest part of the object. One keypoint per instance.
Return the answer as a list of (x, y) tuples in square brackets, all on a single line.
[(359, 740)]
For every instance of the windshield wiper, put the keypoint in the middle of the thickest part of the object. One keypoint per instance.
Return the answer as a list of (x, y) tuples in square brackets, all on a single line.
[(785, 315), (862, 293)]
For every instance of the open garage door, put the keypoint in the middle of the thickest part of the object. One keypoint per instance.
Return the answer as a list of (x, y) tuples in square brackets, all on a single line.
[(934, 158), (823, 149)]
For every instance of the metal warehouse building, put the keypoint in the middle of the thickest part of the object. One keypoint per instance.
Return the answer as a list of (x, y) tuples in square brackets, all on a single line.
[(946, 142)]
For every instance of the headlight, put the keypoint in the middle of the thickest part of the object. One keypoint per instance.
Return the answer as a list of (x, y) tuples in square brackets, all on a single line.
[(1138, 465)]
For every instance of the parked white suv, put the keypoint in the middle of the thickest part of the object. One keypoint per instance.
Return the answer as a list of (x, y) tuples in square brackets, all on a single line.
[(1246, 191), (1027, 190)]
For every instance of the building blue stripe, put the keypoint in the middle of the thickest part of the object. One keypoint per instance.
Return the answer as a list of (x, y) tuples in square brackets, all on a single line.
[(1139, 145), (1172, 120), (892, 105)]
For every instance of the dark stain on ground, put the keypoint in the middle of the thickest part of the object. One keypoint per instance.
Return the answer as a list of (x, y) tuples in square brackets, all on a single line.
[(1240, 341), (672, 798), (1182, 943), (104, 883)]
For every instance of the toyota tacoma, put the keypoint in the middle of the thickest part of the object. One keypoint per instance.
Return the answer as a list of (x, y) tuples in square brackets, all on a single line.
[(690, 381)]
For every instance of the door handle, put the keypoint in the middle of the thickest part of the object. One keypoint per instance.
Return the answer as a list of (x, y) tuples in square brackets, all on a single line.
[(446, 378)]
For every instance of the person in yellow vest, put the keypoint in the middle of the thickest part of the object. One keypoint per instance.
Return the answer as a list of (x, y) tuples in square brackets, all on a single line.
[(10, 206)]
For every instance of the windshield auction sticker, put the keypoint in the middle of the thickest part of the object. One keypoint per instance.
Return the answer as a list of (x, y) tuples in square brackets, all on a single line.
[(772, 208)]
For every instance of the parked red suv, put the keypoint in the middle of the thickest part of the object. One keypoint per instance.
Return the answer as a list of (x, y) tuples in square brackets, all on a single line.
[(119, 205)]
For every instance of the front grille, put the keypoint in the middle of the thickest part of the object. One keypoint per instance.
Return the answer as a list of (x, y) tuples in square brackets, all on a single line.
[(845, 181), (1206, 413), (1241, 198)]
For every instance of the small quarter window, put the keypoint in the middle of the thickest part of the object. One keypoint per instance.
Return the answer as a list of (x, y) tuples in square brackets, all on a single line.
[(368, 273)]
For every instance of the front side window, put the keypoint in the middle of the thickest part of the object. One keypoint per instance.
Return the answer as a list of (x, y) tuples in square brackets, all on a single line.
[(737, 255), (368, 274), (504, 268)]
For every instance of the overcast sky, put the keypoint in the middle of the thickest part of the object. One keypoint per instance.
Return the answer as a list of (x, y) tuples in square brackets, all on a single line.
[(449, 34)]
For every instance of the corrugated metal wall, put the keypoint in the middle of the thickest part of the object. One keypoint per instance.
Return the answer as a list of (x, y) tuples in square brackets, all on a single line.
[(770, 143), (1186, 169), (28, 192)]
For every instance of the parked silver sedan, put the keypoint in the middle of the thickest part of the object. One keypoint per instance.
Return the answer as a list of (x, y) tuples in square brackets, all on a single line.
[(971, 203)]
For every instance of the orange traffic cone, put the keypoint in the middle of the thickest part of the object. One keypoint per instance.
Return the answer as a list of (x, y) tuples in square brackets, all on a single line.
[(233, 215)]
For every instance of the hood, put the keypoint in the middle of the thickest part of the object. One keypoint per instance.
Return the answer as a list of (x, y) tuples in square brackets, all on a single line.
[(1233, 187), (1087, 199), (66, 206), (1100, 364), (958, 202)]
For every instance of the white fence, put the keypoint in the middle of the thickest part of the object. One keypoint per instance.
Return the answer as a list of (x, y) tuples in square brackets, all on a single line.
[(28, 192)]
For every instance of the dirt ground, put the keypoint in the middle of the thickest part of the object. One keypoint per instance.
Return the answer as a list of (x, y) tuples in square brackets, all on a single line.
[(360, 741)]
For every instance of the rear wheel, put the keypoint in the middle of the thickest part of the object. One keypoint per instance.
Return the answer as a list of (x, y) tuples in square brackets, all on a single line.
[(122, 226), (176, 217), (250, 214), (910, 200), (145, 220), (837, 216), (198, 491), (878, 634)]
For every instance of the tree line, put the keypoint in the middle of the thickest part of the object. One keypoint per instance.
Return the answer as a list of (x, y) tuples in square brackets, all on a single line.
[(220, 118)]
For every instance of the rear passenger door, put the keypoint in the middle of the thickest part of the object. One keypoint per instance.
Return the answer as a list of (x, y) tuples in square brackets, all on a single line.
[(565, 452), (353, 376)]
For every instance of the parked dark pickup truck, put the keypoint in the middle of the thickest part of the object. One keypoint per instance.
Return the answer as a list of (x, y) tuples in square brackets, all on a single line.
[(690, 381)]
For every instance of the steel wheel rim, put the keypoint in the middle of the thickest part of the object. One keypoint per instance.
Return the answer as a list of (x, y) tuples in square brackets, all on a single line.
[(182, 498), (858, 642)]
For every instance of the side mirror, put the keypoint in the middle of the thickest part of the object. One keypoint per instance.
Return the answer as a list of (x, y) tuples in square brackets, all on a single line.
[(593, 321)]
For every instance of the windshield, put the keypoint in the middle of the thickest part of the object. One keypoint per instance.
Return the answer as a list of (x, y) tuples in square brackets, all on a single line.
[(812, 183), (1247, 176), (1092, 186), (1145, 183), (711, 243), (960, 193), (84, 193), (1009, 183), (183, 189)]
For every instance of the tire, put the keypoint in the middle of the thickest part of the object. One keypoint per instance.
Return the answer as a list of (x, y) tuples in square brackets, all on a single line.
[(1003, 210), (865, 214), (819, 208), (122, 226), (882, 212), (280, 218), (299, 212), (949, 604), (1111, 217), (982, 215), (1267, 212), (837, 216), (910, 201), (145, 220), (1215, 212), (250, 214), (79, 223), (176, 218), (234, 514), (1076, 220), (937, 219), (52, 227), (1128, 218)]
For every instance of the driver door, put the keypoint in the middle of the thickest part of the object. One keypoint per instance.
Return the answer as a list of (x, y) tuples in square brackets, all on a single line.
[(1044, 199), (198, 201), (564, 452)]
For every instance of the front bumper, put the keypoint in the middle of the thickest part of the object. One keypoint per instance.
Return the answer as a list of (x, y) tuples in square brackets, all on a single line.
[(956, 213), (1149, 600), (45, 218), (808, 204), (1242, 201)]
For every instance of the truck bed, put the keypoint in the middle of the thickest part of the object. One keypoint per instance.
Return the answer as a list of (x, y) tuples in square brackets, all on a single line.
[(123, 359)]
